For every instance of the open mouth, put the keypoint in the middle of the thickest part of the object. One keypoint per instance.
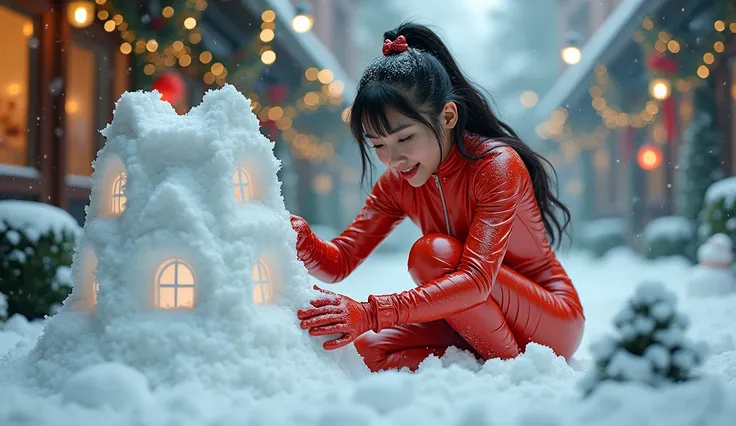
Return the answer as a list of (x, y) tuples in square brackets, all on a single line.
[(410, 172)]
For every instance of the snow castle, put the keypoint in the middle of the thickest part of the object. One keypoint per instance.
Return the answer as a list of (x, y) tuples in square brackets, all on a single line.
[(187, 269)]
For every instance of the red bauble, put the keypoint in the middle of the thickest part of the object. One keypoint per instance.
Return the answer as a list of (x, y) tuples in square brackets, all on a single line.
[(276, 93), (171, 86), (663, 64)]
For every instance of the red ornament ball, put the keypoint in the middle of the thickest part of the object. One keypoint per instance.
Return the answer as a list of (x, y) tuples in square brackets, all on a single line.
[(171, 86)]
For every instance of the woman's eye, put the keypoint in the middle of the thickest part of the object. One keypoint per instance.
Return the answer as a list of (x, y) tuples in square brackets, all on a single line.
[(406, 138), (377, 146)]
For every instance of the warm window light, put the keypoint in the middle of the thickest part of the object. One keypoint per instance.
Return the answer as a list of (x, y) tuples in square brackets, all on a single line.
[(649, 157), (28, 29), (262, 287), (660, 89), (80, 14), (242, 185), (118, 194), (174, 285)]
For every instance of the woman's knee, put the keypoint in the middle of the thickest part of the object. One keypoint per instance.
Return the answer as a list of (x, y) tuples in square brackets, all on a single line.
[(433, 256)]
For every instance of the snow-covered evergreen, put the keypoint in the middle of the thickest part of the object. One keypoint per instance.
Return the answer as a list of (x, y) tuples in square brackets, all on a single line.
[(650, 348)]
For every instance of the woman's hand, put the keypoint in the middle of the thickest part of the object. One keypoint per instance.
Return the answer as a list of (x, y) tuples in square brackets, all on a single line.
[(304, 235), (337, 314)]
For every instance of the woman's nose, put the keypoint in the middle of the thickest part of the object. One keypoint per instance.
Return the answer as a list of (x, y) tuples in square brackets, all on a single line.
[(397, 158)]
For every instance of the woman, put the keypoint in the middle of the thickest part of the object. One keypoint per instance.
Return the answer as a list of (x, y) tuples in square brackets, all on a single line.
[(487, 278)]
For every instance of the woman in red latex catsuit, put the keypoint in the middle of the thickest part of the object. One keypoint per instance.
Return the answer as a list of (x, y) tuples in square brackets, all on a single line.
[(487, 278)]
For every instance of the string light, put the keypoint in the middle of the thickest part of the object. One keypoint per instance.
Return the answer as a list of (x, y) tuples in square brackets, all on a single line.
[(160, 55)]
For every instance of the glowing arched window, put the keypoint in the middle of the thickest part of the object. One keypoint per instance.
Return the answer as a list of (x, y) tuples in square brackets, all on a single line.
[(241, 185), (118, 194), (262, 289), (174, 285), (95, 289)]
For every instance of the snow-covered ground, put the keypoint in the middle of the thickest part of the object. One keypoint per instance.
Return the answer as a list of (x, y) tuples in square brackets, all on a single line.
[(533, 389)]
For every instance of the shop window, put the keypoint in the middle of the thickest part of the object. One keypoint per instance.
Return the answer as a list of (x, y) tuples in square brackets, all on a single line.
[(81, 106), (16, 33)]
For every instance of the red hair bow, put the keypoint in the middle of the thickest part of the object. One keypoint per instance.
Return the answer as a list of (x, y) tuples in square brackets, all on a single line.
[(396, 46)]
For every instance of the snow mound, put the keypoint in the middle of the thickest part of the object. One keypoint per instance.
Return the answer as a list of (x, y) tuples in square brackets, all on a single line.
[(36, 218), (668, 227)]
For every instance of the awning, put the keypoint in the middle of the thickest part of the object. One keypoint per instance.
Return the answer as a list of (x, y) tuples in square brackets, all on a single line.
[(307, 48), (605, 46)]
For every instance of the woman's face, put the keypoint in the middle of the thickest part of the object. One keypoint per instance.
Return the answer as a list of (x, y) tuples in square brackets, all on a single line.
[(412, 148)]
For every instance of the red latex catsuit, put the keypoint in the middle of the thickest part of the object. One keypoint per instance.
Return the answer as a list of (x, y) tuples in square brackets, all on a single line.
[(508, 288)]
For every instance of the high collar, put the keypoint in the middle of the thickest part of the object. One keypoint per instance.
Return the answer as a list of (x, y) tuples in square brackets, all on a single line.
[(455, 159)]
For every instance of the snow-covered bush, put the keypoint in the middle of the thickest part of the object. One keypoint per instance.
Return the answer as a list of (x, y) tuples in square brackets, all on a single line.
[(601, 235), (36, 249), (650, 348), (719, 211), (669, 236)]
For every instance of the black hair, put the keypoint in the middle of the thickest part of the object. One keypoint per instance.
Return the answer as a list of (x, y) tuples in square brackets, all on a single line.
[(417, 83)]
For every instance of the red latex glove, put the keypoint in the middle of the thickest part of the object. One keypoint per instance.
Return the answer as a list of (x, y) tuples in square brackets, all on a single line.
[(305, 237), (336, 314)]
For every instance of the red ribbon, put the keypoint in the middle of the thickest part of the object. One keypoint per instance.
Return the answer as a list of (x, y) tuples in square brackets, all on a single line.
[(396, 46)]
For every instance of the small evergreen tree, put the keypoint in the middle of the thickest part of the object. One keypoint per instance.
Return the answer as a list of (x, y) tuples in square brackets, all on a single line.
[(700, 157), (35, 270), (651, 347)]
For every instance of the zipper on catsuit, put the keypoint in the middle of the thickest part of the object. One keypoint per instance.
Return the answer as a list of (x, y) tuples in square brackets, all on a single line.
[(444, 205)]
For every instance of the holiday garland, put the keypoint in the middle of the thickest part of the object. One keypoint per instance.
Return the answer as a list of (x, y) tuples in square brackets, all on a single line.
[(168, 37), (670, 62)]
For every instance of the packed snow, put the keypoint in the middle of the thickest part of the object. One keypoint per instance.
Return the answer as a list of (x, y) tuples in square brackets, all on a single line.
[(229, 360), (534, 389), (668, 227)]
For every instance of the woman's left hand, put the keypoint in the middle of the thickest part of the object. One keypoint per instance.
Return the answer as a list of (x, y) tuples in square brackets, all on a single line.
[(337, 314)]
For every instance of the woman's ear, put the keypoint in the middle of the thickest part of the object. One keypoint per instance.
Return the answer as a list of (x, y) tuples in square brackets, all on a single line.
[(449, 115)]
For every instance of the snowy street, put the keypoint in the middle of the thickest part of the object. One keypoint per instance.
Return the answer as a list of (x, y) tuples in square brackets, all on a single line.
[(534, 389)]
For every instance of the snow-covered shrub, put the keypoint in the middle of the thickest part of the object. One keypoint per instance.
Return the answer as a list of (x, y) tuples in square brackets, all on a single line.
[(719, 212), (36, 249), (601, 235), (669, 236), (650, 348)]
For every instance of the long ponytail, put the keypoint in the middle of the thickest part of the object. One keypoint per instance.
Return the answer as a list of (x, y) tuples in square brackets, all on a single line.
[(423, 79)]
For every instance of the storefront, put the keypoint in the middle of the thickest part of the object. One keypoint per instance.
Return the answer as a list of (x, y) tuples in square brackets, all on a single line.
[(57, 86), (65, 63), (620, 117)]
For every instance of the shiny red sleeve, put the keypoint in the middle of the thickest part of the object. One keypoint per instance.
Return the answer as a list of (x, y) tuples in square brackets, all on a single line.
[(332, 261), (496, 186)]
